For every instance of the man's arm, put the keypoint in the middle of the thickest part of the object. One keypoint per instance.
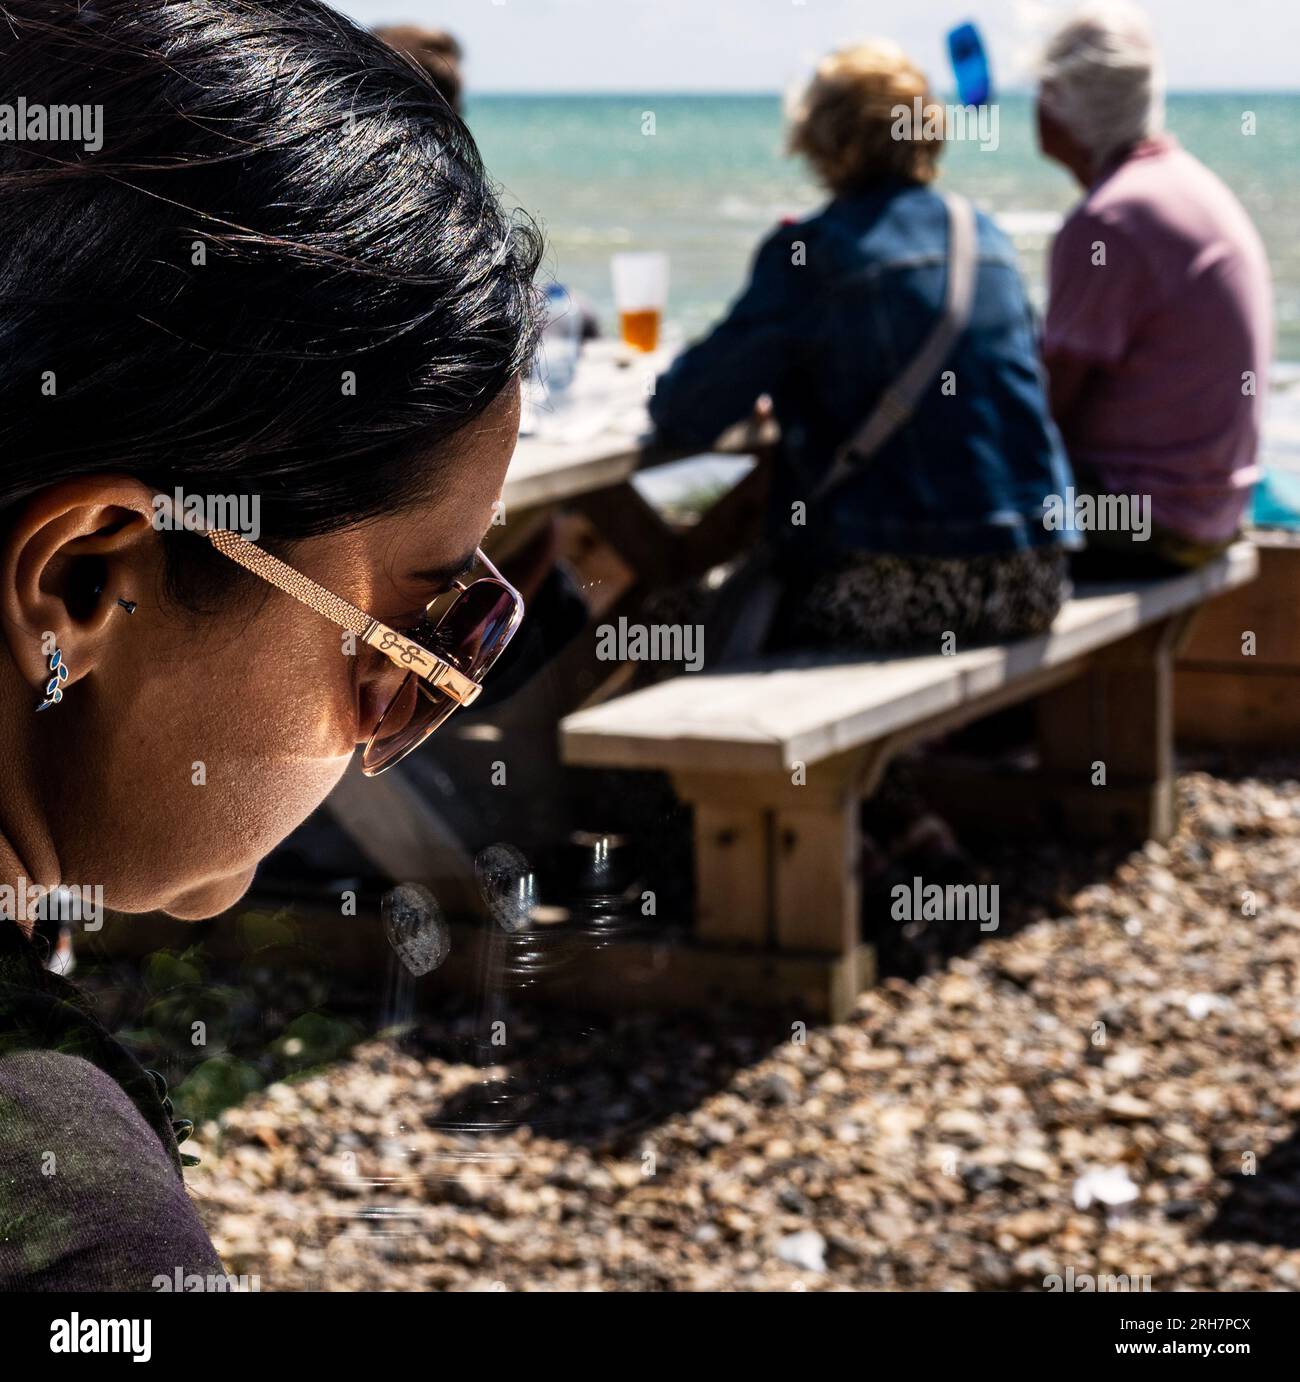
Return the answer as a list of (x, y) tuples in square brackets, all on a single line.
[(1097, 284)]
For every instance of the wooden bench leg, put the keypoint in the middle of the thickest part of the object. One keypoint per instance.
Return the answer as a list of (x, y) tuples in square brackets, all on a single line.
[(1106, 739), (731, 872), (776, 871), (816, 889)]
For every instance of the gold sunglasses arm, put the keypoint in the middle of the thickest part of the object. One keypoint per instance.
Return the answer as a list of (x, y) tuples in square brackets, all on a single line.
[(400, 651), (397, 648)]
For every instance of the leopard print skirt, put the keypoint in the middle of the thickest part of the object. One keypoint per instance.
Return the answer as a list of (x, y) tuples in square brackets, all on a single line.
[(874, 601)]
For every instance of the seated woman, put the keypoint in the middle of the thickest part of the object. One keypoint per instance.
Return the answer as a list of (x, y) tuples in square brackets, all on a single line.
[(943, 530), (279, 282)]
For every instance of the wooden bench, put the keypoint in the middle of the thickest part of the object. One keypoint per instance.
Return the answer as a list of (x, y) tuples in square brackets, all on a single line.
[(1238, 676), (775, 760)]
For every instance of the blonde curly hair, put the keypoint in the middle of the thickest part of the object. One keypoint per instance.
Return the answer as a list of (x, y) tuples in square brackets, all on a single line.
[(846, 120)]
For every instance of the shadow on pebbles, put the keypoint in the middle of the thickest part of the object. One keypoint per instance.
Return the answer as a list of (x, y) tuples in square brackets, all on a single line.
[(1111, 1090)]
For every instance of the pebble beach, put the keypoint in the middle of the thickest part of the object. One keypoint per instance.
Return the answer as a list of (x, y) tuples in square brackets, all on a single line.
[(1107, 1086)]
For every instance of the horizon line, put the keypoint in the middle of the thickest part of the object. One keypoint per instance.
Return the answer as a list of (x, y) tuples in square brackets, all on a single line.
[(769, 92)]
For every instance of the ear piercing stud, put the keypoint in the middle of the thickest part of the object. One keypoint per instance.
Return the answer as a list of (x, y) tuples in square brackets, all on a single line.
[(128, 605), (59, 673)]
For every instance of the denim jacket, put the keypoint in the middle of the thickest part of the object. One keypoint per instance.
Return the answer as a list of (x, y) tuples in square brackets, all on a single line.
[(836, 307)]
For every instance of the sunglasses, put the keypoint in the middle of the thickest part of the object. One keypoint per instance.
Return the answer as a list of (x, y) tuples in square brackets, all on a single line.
[(445, 670)]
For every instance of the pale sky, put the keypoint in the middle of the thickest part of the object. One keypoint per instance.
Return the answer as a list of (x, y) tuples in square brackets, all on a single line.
[(768, 45)]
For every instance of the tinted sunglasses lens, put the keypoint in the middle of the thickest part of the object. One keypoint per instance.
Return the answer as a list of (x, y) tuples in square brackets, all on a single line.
[(412, 715), (476, 627), (471, 634)]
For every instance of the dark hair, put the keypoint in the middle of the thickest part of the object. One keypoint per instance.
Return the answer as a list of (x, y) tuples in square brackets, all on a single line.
[(279, 198)]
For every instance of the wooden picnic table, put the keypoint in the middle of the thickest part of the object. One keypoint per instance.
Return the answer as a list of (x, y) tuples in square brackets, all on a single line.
[(595, 435), (598, 434)]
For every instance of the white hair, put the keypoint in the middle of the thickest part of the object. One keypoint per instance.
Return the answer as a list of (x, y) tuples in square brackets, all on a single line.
[(1101, 75)]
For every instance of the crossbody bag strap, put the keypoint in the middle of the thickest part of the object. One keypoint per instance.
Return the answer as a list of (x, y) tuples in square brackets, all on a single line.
[(897, 403)]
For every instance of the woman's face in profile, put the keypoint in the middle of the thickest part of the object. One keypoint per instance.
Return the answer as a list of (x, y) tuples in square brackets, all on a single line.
[(197, 742), (213, 322)]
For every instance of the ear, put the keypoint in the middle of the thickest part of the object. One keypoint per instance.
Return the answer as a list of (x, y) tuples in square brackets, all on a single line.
[(70, 553)]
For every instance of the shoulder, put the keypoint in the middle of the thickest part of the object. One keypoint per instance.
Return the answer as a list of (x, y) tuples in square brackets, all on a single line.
[(925, 209), (788, 242), (57, 1093), (791, 263), (994, 242), (1108, 222), (89, 1197), (914, 228), (42, 1082), (1129, 202)]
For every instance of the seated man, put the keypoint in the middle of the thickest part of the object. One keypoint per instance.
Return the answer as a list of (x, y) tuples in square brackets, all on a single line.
[(1158, 331), (941, 535)]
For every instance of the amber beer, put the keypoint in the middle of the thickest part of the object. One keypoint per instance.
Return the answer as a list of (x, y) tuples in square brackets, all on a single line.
[(640, 330), (640, 295)]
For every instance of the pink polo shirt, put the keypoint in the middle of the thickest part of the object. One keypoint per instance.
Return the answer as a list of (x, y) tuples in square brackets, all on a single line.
[(1159, 279)]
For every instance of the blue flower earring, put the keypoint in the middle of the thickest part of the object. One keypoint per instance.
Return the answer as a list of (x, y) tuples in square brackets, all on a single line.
[(59, 668), (58, 673)]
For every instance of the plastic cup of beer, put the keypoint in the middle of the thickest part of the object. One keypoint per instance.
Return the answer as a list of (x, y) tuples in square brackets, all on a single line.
[(640, 296)]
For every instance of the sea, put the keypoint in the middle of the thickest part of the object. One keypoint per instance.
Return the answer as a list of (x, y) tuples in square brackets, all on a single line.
[(705, 177)]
